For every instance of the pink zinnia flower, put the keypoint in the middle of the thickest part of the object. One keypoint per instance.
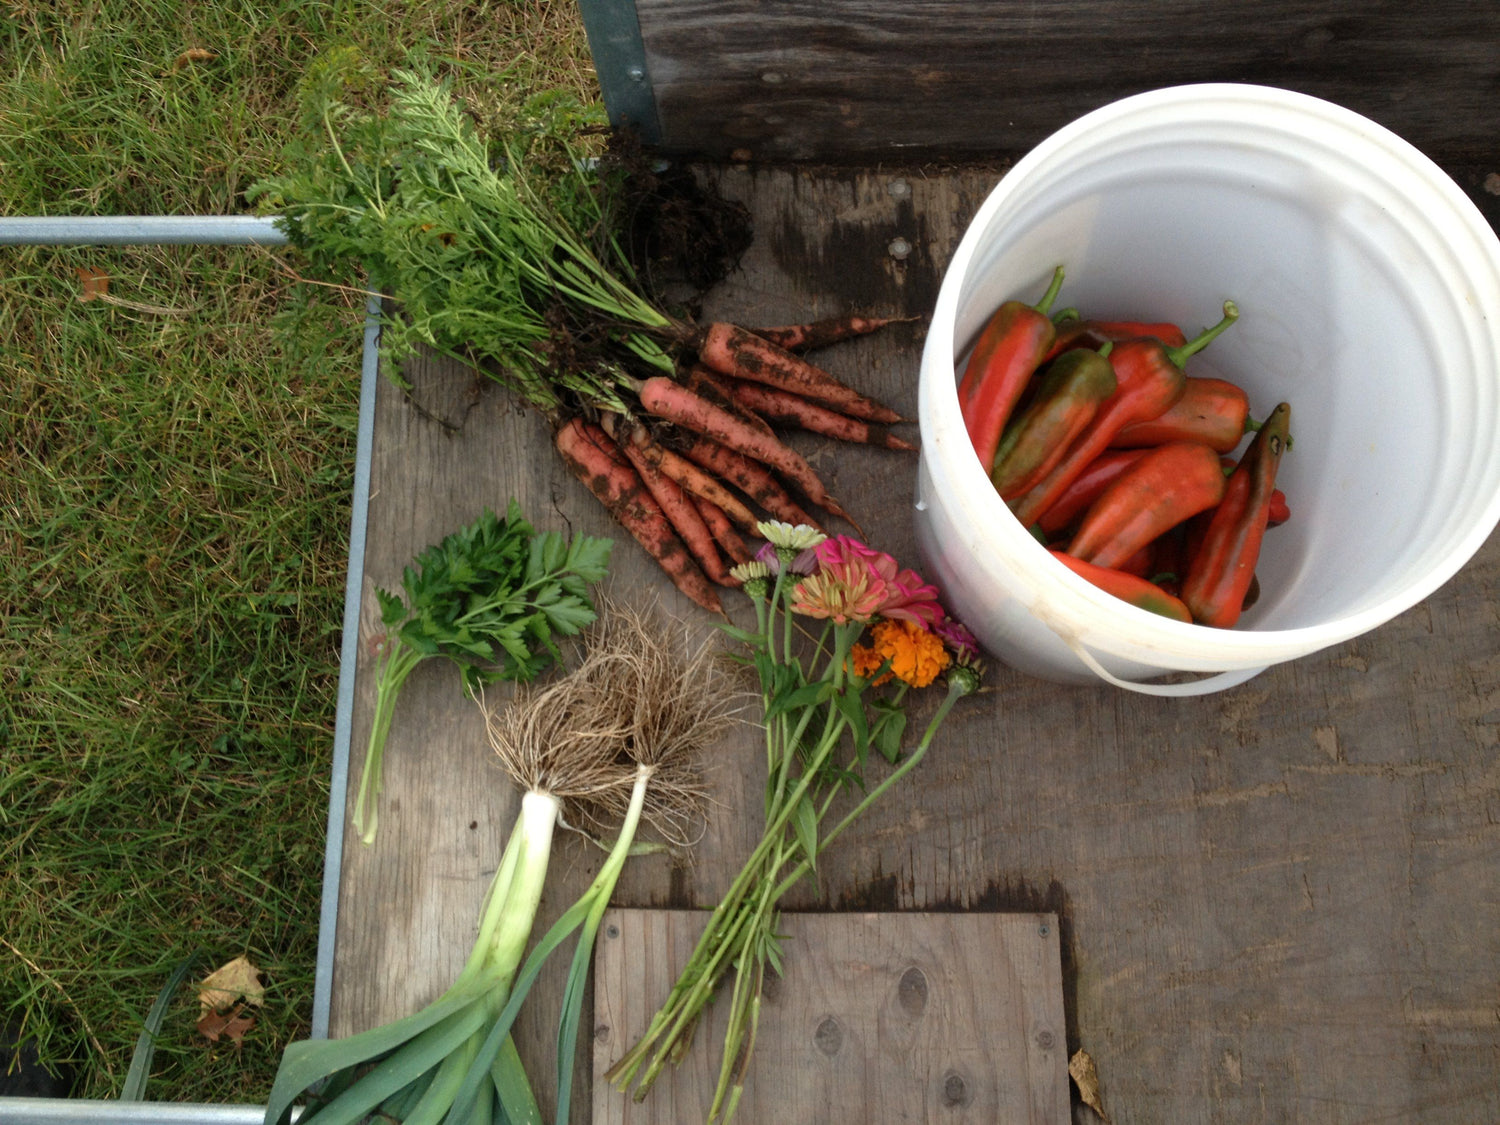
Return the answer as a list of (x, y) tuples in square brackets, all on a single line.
[(805, 563), (955, 634), (841, 598), (912, 599), (847, 586), (908, 596)]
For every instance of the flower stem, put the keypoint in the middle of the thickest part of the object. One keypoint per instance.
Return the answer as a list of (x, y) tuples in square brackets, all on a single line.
[(955, 692)]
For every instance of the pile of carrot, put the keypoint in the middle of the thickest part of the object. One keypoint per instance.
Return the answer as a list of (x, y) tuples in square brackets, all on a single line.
[(697, 458)]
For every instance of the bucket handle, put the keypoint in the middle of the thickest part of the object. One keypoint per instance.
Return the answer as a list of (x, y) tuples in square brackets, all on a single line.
[(1218, 682)]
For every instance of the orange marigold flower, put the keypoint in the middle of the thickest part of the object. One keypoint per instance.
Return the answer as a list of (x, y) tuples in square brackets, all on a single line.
[(917, 657), (865, 662)]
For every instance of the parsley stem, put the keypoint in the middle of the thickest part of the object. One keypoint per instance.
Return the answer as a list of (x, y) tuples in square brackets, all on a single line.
[(395, 665)]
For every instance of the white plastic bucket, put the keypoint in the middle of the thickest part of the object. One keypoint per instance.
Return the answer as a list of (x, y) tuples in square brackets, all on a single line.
[(1368, 287)]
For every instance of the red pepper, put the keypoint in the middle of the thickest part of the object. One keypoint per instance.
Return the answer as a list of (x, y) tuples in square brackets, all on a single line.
[(1007, 354), (1279, 512), (1094, 334), (1138, 564), (1221, 569), (1074, 500), (1068, 397), (1128, 587), (1117, 330), (1170, 484), (1169, 559), (1149, 379), (1212, 411)]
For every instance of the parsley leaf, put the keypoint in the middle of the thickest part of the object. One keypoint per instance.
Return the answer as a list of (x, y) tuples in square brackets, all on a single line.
[(491, 597)]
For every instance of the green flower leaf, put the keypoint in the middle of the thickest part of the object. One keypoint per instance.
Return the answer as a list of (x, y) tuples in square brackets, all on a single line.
[(805, 824), (890, 728), (852, 707), (808, 695)]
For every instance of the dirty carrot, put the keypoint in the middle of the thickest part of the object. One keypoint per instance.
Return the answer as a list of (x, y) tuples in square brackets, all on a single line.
[(670, 400), (832, 330), (597, 461), (677, 505), (722, 528), (751, 478), (689, 476), (782, 408), (733, 351), (716, 388), (1008, 352)]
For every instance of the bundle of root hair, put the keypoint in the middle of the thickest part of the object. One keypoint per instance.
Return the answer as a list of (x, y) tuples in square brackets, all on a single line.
[(617, 741)]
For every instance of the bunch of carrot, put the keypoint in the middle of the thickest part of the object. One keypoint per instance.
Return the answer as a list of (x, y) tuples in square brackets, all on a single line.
[(510, 251), (695, 459), (1118, 461)]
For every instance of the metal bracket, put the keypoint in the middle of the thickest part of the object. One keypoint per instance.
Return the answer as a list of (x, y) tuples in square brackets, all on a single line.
[(614, 35)]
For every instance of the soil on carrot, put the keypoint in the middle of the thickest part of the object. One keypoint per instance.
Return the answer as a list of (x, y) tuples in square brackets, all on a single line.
[(680, 237), (678, 230)]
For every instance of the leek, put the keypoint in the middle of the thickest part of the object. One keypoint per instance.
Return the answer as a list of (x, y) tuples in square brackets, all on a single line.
[(610, 745)]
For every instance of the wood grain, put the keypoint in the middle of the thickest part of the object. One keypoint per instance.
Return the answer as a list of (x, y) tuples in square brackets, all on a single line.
[(867, 81), (1277, 903), (880, 1017)]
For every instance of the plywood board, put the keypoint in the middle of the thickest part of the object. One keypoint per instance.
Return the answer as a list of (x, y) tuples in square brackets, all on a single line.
[(1277, 903), (880, 1017)]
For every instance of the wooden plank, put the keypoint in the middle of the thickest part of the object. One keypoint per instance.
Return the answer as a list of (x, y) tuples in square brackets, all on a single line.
[(1281, 902), (875, 81), (880, 1017)]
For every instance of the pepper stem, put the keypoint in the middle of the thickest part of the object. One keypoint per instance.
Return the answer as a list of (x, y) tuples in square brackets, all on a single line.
[(1179, 355), (1052, 291)]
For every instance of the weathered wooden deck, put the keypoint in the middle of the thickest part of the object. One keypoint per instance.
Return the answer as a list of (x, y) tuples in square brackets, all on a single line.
[(1278, 903)]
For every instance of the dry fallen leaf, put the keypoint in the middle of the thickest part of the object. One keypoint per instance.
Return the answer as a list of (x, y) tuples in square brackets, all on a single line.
[(192, 55), (1085, 1076), (95, 283), (228, 985), (231, 1025)]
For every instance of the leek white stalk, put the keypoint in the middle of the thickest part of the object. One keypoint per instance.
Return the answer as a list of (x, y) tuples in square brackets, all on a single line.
[(583, 916), (422, 1061)]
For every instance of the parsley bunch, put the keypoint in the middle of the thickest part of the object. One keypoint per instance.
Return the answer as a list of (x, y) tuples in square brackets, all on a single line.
[(490, 597)]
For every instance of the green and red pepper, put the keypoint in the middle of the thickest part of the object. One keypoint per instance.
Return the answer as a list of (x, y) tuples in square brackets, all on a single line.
[(1069, 395), (1222, 565), (1149, 379), (1169, 485), (1123, 474), (1008, 352)]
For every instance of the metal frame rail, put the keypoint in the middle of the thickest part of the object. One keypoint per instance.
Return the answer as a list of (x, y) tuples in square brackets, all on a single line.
[(232, 230)]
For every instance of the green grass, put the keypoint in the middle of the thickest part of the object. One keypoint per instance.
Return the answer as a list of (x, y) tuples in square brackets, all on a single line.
[(175, 469)]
